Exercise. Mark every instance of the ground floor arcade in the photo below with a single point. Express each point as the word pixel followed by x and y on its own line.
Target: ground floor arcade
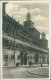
pixel 21 57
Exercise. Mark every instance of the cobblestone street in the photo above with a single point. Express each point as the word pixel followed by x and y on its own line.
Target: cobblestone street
pixel 26 72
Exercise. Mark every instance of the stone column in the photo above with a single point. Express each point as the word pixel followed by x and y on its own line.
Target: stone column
pixel 45 59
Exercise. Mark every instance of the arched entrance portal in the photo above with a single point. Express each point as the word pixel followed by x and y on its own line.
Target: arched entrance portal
pixel 23 58
pixel 36 58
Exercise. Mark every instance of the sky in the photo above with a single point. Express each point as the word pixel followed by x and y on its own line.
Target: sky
pixel 39 12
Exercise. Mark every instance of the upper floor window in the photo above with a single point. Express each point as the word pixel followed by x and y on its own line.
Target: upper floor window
pixel 13 32
pixel 9 43
pixel 10 30
pixel 4 27
pixel 16 45
pixel 7 29
pixel 16 33
pixel 13 44
pixel 3 42
pixel 6 43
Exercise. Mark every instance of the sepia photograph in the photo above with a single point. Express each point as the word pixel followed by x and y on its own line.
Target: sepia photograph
pixel 25 39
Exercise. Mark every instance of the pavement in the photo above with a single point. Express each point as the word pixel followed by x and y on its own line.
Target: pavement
pixel 41 71
pixel 26 72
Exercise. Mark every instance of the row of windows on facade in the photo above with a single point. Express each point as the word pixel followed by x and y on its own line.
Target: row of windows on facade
pixel 9 30
pixel 36 34
pixel 16 33
pixel 20 36
pixel 11 44
pixel 18 57
pixel 12 57
pixel 8 43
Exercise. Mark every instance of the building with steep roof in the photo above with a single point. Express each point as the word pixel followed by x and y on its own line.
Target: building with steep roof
pixel 22 44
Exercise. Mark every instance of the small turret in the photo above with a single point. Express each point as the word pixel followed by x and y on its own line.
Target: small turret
pixel 28 16
pixel 43 35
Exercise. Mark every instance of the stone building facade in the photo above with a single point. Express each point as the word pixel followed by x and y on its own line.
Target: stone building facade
pixel 21 43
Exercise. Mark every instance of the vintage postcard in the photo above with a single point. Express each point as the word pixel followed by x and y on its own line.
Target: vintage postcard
pixel 25 39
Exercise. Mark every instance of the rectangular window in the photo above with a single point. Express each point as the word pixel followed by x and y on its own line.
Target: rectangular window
pixel 10 31
pixel 6 43
pixel 4 27
pixel 13 44
pixel 28 57
pixel 7 29
pixel 12 57
pixel 16 33
pixel 9 43
pixel 13 32
pixel 16 45
pixel 31 57
pixel 18 57
pixel 5 57
pixel 3 42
